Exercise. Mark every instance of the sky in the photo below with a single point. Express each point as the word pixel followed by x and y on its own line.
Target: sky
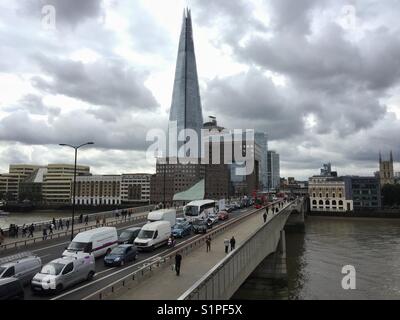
pixel 321 77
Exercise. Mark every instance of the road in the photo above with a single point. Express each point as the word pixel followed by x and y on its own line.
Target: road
pixel 104 275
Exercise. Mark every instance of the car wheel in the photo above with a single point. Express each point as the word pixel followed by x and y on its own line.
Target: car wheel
pixel 59 288
pixel 90 276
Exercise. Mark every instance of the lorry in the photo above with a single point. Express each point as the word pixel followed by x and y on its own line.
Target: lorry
pixel 163 215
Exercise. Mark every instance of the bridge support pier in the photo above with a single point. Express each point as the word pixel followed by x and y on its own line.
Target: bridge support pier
pixel 269 279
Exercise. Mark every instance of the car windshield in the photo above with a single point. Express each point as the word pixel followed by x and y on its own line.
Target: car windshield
pixel 52 268
pixel 77 246
pixel 125 234
pixel 118 251
pixel 146 234
pixel 191 211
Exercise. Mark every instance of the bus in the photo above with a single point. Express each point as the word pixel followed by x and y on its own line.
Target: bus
pixel 199 209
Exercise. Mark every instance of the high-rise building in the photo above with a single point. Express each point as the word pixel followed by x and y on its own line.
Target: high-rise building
pixel 386 171
pixel 262 140
pixel 273 170
pixel 186 108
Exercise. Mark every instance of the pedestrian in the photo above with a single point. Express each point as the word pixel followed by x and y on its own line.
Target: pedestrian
pixel 178 260
pixel 16 230
pixel 86 220
pixel 226 243
pixel 24 230
pixel 97 222
pixel 80 218
pixel 104 220
pixel 51 228
pixel 54 221
pixel 208 243
pixel 277 210
pixel 233 242
pixel 67 224
pixel 1 236
pixel 60 224
pixel 44 233
pixel 31 229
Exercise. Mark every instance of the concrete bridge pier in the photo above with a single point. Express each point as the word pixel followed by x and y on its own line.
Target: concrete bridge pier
pixel 269 279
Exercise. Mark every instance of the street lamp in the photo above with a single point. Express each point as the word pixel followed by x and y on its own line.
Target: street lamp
pixel 73 197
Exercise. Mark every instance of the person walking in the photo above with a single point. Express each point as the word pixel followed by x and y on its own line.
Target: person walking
pixel 233 242
pixel 54 221
pixel 208 243
pixel 24 230
pixel 97 222
pixel 86 220
pixel 60 224
pixel 31 229
pixel 44 233
pixel 67 224
pixel 104 220
pixel 51 228
pixel 80 218
pixel 226 243
pixel 178 260
pixel 16 230
pixel 265 217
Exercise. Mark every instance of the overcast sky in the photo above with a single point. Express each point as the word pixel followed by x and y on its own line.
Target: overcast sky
pixel 320 76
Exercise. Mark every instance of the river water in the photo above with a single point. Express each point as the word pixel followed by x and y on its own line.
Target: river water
pixel 315 259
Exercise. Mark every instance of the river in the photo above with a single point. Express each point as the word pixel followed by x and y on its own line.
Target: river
pixel 315 259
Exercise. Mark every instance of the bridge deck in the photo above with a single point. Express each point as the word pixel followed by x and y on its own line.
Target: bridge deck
pixel 165 285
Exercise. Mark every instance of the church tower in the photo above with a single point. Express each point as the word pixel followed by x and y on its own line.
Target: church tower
pixel 386 171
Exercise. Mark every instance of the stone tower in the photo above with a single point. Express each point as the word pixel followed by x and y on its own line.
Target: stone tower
pixel 386 172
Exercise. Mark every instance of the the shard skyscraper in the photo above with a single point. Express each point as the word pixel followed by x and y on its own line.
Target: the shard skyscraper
pixel 185 110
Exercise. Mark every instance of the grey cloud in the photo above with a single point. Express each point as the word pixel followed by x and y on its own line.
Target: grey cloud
pixel 33 104
pixel 105 83
pixel 68 13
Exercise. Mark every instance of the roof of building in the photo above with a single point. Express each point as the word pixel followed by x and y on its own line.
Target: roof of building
pixel 196 192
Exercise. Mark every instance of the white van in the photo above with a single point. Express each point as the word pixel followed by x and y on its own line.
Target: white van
pixel 64 272
pixel 153 234
pixel 98 242
pixel 22 268
pixel 162 215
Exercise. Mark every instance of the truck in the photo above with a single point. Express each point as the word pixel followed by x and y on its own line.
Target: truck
pixel 153 235
pixel 163 215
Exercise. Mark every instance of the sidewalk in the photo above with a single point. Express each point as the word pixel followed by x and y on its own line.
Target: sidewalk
pixel 165 285
pixel 39 233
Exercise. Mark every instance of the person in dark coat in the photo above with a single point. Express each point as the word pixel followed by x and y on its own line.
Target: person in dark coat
pixel 178 260
pixel 86 220
pixel 233 242
pixel 265 217
pixel 67 224
pixel 44 233
pixel 31 229
pixel 80 218
pixel 208 243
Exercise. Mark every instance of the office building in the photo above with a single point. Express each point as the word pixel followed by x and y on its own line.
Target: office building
pixel 364 191
pixel 273 170
pixel 98 190
pixel 135 188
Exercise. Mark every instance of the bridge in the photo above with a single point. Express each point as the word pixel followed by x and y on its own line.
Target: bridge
pixel 212 275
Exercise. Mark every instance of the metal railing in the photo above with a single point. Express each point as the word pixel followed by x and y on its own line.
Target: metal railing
pixel 227 276
pixel 161 262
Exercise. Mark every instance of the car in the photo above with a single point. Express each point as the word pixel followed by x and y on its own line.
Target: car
pixel 223 215
pixel 153 235
pixel 64 272
pixel 212 219
pixel 11 289
pixel 120 255
pixel 236 205
pixel 181 221
pixel 199 226
pixel 228 208
pixel 181 230
pixel 128 236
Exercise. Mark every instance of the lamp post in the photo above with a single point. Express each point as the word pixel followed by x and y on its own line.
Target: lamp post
pixel 74 188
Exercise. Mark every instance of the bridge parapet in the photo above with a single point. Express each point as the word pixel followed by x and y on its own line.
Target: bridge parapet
pixel 222 281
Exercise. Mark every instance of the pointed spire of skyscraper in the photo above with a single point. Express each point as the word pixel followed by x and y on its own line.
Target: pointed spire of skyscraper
pixel 186 104
pixel 391 156
pixel 380 157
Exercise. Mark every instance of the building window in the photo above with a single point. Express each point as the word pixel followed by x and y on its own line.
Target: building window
pixel 321 203
pixel 314 202
pixel 340 203
pixel 327 202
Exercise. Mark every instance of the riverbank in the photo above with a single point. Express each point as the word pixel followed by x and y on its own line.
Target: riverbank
pixel 372 214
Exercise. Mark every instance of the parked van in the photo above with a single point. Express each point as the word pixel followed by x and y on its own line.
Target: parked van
pixel 21 266
pixel 64 272
pixel 162 215
pixel 153 234
pixel 11 289
pixel 99 241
